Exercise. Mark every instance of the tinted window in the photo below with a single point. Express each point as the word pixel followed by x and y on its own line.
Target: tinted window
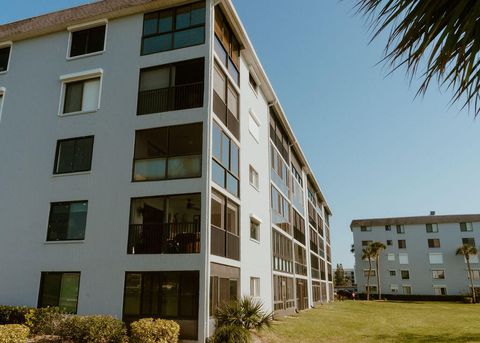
pixel 59 290
pixel 67 221
pixel 74 155
pixel 88 41
pixel 4 57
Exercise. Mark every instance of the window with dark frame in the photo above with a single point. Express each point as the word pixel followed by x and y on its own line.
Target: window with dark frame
pixel 434 243
pixel 388 228
pixel 67 221
pixel 81 96
pixel 465 227
pixel 393 273
pixel 166 153
pixel 400 229
pixel 225 161
pixel 438 274
pixel 298 224
pixel 226 101
pixel 281 141
pixel 171 87
pixel 4 58
pixel 405 274
pixel 174 28
pixel 226 45
pixel 402 244
pixel 73 155
pixel 389 242
pixel 88 41
pixel 469 241
pixel 59 289
pixel 282 252
pixel 431 228
pixel 254 229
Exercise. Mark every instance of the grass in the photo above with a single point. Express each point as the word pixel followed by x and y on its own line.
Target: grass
pixel 379 321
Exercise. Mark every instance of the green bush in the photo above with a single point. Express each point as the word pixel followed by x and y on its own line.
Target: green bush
pixel 44 321
pixel 231 334
pixel 13 333
pixel 246 312
pixel 13 314
pixel 150 330
pixel 92 329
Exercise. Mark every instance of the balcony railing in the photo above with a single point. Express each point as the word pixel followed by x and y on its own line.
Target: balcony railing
pixel 298 235
pixel 300 269
pixel 171 98
pixel 164 238
pixel 315 273
pixel 314 247
pixel 225 244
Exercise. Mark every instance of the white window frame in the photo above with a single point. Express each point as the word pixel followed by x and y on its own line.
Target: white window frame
pixel 258 221
pixel 250 169
pixel 252 72
pixel 431 254
pixel 256 120
pixel 411 290
pixel 85 26
pixel 473 274
pixel 439 287
pixel 372 274
pixel 400 255
pixel 255 287
pixel 390 257
pixel 473 259
pixel 437 278
pixel 2 94
pixel 6 45
pixel 80 76
pixel 394 288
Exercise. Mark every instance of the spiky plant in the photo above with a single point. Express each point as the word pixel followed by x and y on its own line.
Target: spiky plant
pixel 246 312
pixel 466 251
pixel 440 37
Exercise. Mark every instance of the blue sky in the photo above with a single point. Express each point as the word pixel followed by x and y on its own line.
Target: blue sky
pixel 375 150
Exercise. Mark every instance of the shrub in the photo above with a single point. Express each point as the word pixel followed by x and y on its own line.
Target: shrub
pixel 246 312
pixel 13 333
pixel 45 320
pixel 13 314
pixel 150 330
pixel 92 329
pixel 231 334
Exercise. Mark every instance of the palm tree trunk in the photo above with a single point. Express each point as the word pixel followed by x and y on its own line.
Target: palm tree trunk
pixel 368 277
pixel 471 279
pixel 378 277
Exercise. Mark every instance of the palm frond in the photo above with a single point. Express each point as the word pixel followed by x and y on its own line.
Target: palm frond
pixel 440 36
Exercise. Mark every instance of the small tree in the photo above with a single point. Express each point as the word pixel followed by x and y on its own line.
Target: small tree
pixel 377 248
pixel 339 278
pixel 367 253
pixel 466 251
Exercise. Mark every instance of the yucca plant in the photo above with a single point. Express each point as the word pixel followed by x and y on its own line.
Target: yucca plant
pixel 439 36
pixel 246 312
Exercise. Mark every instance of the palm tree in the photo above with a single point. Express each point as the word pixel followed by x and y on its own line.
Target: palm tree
pixel 368 253
pixel 466 251
pixel 439 36
pixel 377 248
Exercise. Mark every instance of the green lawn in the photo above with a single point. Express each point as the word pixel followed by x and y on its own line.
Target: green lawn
pixel 389 321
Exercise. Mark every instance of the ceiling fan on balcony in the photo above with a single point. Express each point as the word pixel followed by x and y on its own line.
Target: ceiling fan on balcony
pixel 191 205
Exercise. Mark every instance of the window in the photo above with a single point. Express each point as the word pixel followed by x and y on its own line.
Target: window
pixel 225 233
pixel 475 274
pixel 253 176
pixel 373 272
pixel 226 161
pixel 435 258
pixel 438 274
pixel 173 28
pixel 365 228
pixel 373 289
pixel 407 290
pixel 391 257
pixel 166 153
pixel 227 47
pixel 226 101
pixel 400 229
pixel 388 228
pixel 393 273
pixel 254 229
pixel 280 140
pixel 280 172
pixel 405 274
pixel 2 93
pixel 171 87
pixel 67 221
pixel 254 126
pixel 394 288
pixel 280 210
pixel 300 260
pixel 81 96
pixel 255 287
pixel 434 243
pixel 4 58
pixel 170 295
pixel 473 259
pixel 468 240
pixel 298 224
pixel 389 242
pixel 431 228
pixel 282 252
pixel 466 227
pixel 87 41
pixel 402 244
pixel 283 293
pixel 403 258
pixel 73 155
pixel 253 82
pixel 59 290
pixel 366 243
pixel 168 224
pixel 439 290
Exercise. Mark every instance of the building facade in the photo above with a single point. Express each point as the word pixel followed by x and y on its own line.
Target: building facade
pixel 420 257
pixel 156 171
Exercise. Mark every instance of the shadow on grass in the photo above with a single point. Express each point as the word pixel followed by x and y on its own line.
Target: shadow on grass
pixel 424 338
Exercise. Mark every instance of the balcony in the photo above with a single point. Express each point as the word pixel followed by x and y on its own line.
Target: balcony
pixel 164 238
pixel 315 273
pixel 313 247
pixel 171 98
pixel 225 244
pixel 300 269
pixel 298 235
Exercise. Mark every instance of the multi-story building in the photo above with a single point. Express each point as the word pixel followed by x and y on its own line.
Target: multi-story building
pixel 149 169
pixel 349 274
pixel 420 257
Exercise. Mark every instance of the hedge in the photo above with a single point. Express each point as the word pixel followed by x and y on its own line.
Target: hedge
pixel 149 330
pixel 44 321
pixel 13 333
pixel 13 314
pixel 92 329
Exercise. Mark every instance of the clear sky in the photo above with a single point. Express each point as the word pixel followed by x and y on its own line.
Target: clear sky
pixel 376 151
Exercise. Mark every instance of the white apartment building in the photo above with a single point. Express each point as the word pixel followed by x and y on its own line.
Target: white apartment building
pixel 149 169
pixel 420 258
